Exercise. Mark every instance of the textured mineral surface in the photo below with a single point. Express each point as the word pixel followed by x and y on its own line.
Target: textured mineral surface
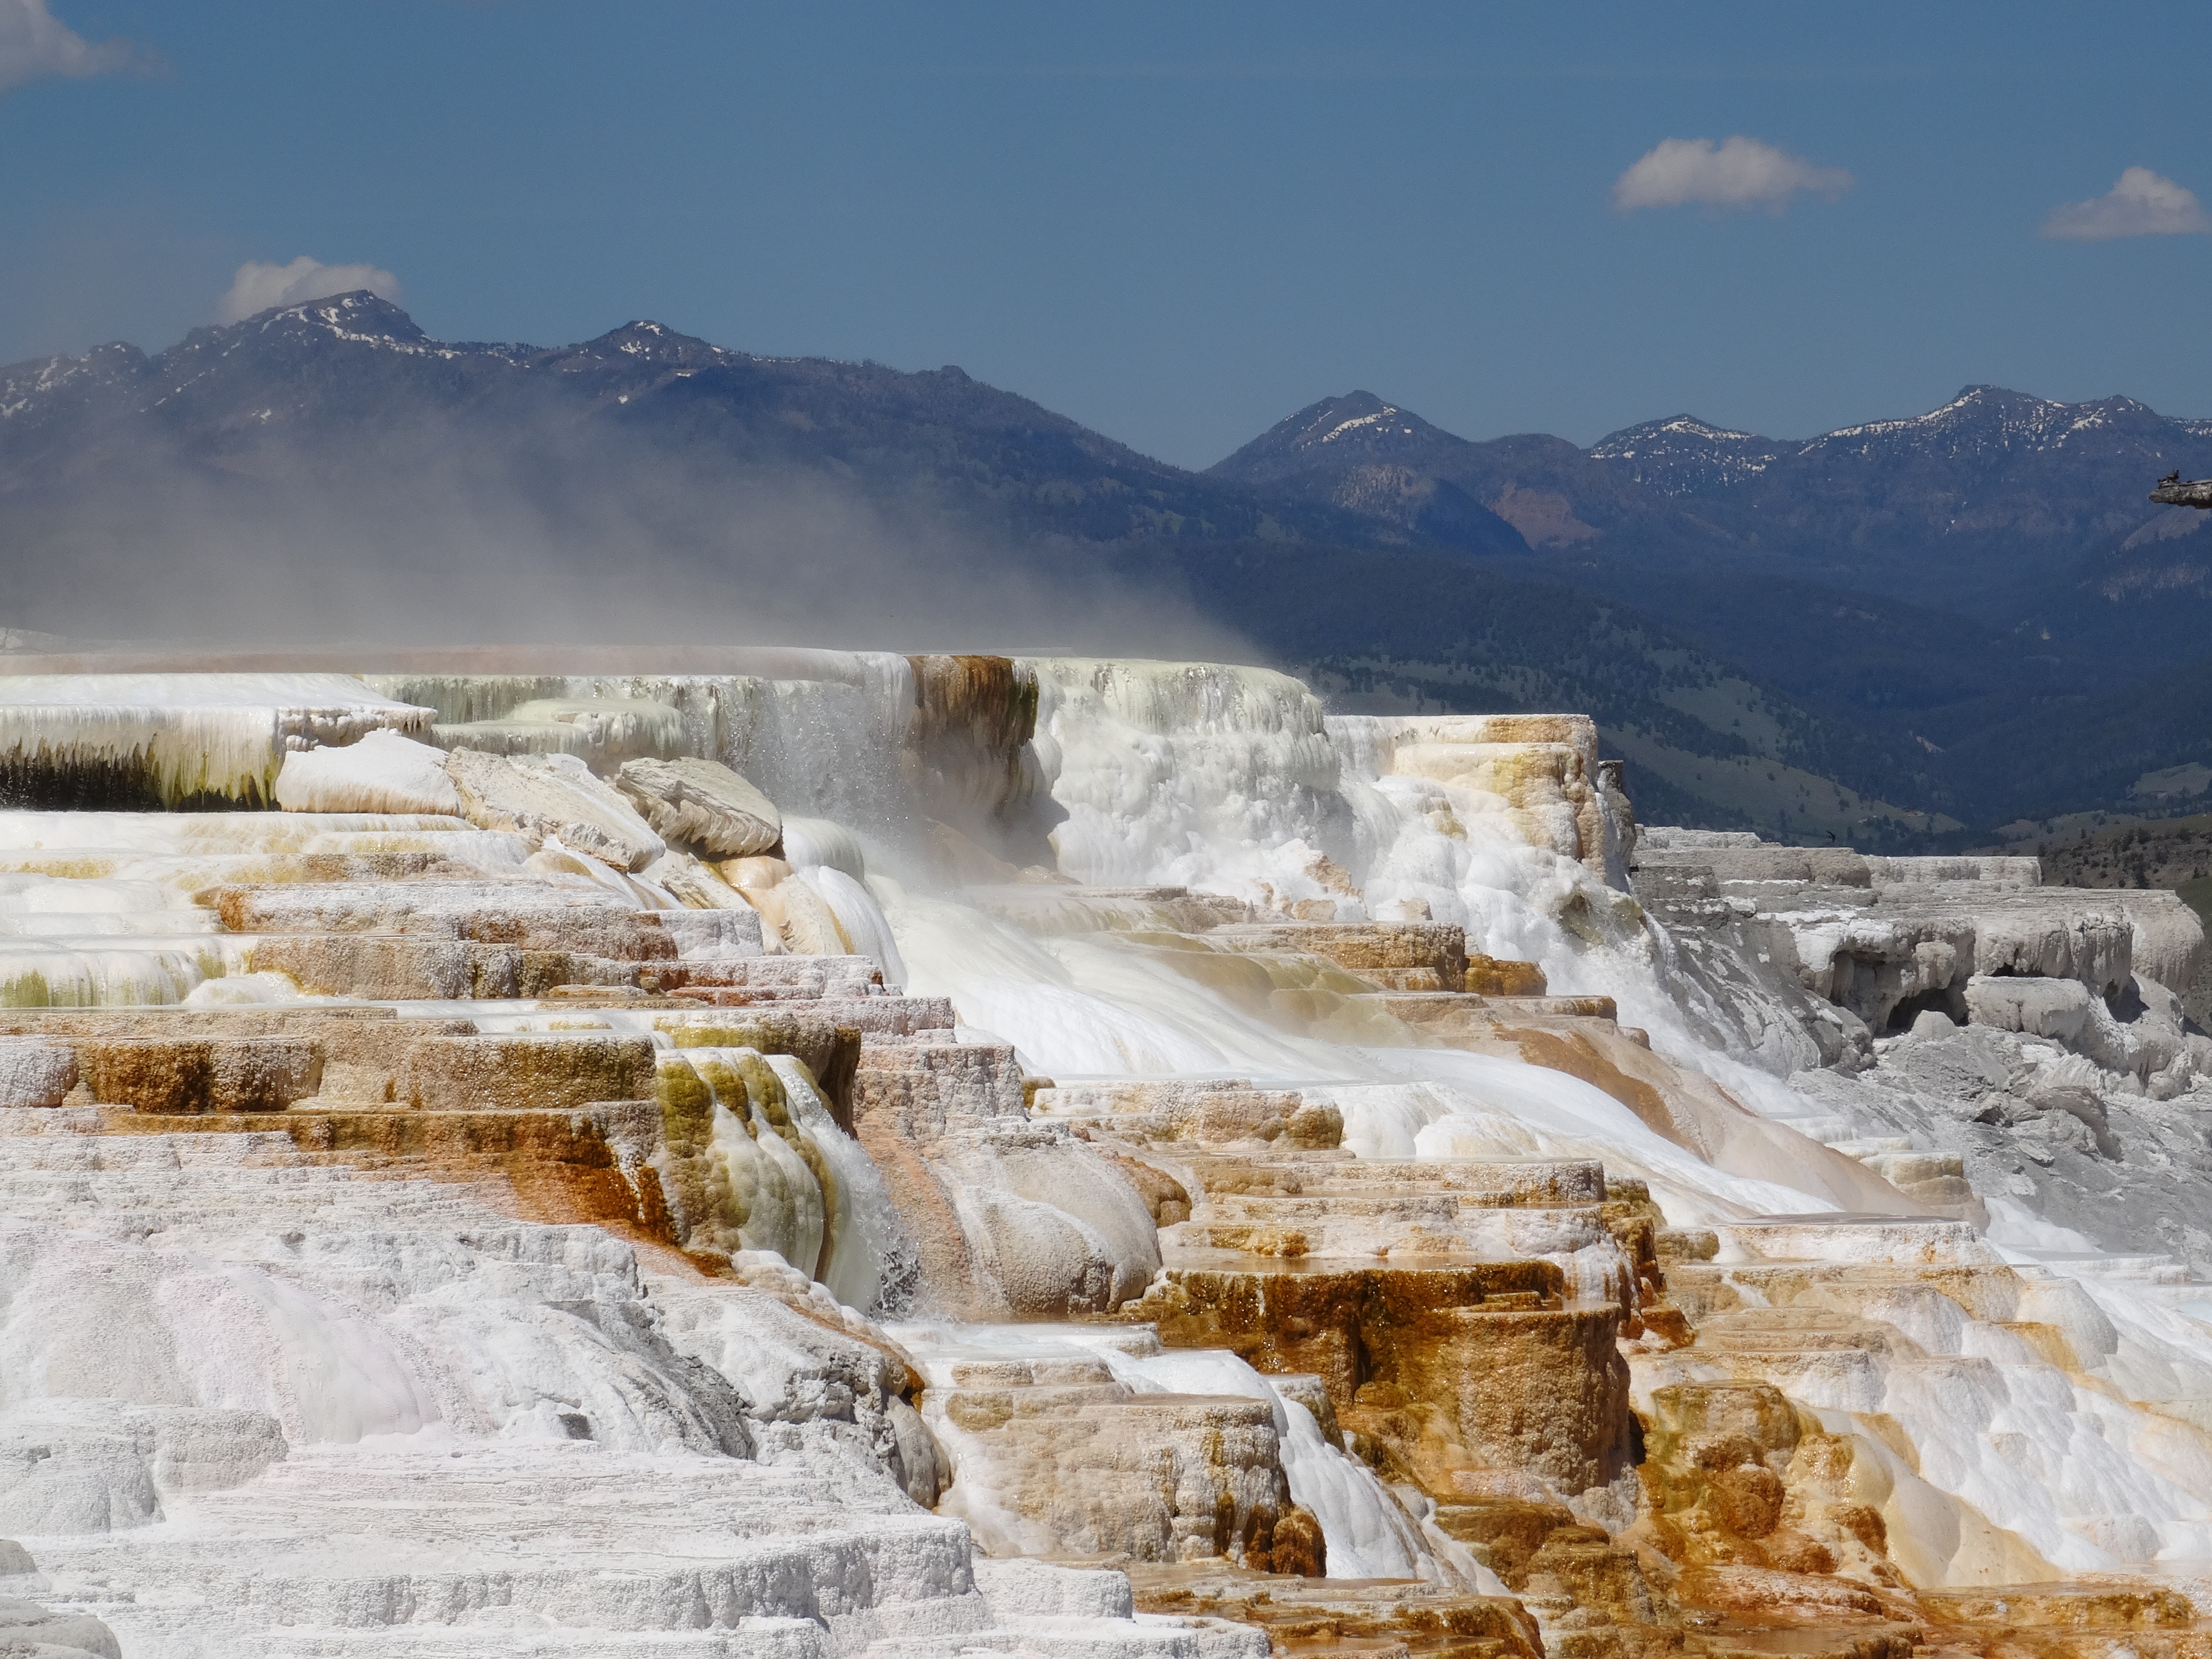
pixel 1073 1157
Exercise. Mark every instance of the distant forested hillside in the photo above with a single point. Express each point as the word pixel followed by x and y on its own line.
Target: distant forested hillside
pixel 1907 633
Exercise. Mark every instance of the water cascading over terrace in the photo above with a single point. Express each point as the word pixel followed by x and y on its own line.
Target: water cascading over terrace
pixel 912 1155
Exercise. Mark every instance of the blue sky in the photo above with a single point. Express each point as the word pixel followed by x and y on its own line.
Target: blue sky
pixel 1175 223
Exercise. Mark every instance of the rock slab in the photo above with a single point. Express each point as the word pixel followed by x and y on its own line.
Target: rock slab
pixel 553 795
pixel 382 773
pixel 703 803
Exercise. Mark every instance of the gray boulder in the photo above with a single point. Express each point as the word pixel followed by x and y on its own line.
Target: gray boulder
pixel 703 803
pixel 1933 1023
pixel 2053 1008
pixel 35 1633
pixel 28 1629
pixel 553 795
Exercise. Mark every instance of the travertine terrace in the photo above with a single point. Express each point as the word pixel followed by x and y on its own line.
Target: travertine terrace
pixel 794 1153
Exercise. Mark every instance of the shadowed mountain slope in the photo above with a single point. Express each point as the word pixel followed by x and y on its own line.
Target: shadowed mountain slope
pixel 1845 634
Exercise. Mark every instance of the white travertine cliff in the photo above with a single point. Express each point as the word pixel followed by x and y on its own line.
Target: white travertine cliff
pixel 954 1155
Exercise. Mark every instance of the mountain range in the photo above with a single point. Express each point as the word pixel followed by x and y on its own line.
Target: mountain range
pixel 1913 631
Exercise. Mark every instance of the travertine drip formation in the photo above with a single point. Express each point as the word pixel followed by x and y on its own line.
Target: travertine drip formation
pixel 867 1155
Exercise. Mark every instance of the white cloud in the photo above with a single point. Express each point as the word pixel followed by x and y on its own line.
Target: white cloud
pixel 1741 173
pixel 35 44
pixel 259 286
pixel 2141 205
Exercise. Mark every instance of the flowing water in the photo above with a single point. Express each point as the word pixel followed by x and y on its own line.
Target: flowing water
pixel 1146 777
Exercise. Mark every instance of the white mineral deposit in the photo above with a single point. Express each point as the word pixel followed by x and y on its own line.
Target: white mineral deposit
pixel 680 1163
